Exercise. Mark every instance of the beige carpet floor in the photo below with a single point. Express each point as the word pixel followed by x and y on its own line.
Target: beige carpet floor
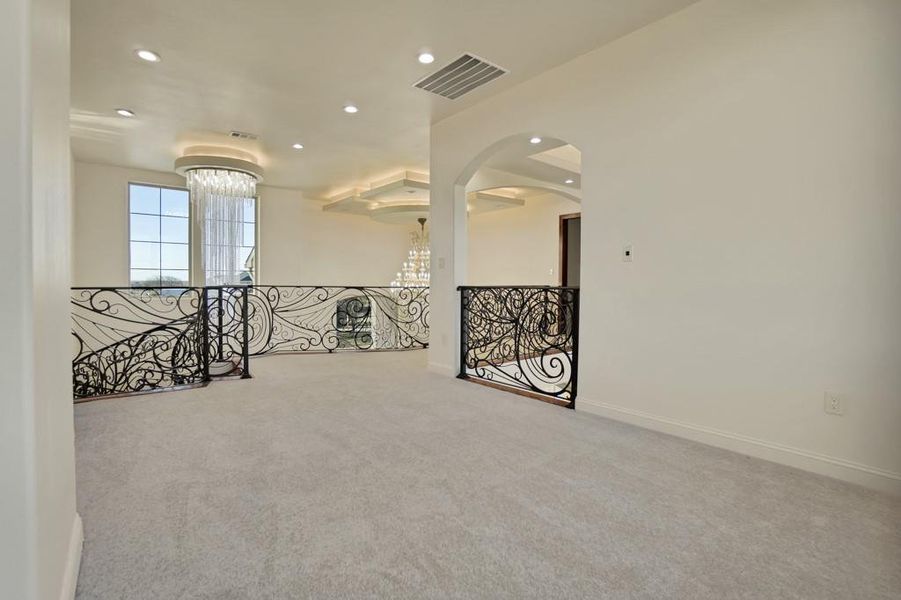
pixel 365 476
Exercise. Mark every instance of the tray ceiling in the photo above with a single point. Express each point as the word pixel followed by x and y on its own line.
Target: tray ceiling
pixel 283 70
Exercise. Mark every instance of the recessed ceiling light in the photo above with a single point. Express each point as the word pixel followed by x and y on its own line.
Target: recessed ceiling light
pixel 535 140
pixel 297 146
pixel 148 55
pixel 569 181
pixel 124 112
pixel 350 109
pixel 426 58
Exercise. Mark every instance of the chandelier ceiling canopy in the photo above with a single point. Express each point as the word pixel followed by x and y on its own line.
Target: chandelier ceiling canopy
pixel 219 158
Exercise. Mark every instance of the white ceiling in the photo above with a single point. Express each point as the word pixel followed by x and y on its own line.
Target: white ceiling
pixel 552 160
pixel 283 69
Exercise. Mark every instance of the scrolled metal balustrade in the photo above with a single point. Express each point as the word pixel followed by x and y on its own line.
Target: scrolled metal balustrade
pixel 129 340
pixel 328 319
pixel 520 337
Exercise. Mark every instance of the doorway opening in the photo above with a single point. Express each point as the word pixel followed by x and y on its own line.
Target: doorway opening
pixel 570 249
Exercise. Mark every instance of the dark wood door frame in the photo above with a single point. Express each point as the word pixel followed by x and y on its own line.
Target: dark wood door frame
pixel 564 243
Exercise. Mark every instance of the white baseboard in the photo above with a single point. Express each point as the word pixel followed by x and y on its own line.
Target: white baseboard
pixel 838 468
pixel 442 369
pixel 73 561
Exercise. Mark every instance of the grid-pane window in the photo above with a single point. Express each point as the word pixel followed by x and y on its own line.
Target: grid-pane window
pixel 159 230
pixel 247 250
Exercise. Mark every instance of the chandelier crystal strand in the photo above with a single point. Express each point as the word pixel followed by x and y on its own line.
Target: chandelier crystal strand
pixel 219 197
pixel 415 271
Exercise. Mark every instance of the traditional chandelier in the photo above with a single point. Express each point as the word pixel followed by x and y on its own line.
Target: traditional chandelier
pixel 415 271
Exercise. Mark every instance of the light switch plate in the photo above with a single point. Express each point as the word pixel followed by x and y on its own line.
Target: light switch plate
pixel 628 253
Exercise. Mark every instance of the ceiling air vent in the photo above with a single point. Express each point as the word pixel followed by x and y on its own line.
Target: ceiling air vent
pixel 460 77
pixel 242 135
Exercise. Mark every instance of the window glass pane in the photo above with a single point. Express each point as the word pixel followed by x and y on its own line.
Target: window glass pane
pixel 174 202
pixel 144 199
pixel 145 277
pixel 145 228
pixel 174 277
pixel 248 234
pixel 174 229
pixel 145 255
pixel 250 211
pixel 243 255
pixel 174 256
pixel 159 215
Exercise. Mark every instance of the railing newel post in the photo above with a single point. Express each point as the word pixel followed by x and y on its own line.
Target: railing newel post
pixel 246 326
pixel 575 356
pixel 205 323
pixel 464 337
pixel 220 325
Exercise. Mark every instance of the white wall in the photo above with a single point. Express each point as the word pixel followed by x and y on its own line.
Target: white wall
pixel 750 152
pixel 518 246
pixel 302 244
pixel 40 532
pixel 100 234
pixel 299 243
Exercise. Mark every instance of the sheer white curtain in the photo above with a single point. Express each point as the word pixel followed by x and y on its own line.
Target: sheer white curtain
pixel 219 198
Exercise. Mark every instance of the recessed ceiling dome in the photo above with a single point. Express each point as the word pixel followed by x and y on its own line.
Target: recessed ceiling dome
pixel 218 157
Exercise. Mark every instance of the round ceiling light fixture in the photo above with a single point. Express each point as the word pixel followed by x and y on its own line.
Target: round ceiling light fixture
pixel 535 140
pixel 351 109
pixel 426 58
pixel 297 146
pixel 124 112
pixel 148 55
pixel 569 181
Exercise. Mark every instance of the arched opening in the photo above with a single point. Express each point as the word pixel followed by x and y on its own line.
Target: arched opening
pixel 519 204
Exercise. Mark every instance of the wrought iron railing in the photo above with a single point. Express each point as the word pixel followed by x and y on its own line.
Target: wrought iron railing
pixel 286 319
pixel 524 338
pixel 131 340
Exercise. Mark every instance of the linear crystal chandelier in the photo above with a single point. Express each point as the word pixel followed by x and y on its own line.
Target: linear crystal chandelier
pixel 415 270
pixel 221 197
pixel 222 187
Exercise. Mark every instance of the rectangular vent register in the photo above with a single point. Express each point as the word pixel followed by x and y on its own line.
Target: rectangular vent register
pixel 460 77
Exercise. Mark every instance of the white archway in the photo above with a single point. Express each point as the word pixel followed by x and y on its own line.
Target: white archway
pixel 479 174
pixel 456 156
pixel 476 177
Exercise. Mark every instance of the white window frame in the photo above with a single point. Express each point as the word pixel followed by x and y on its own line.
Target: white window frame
pixel 128 239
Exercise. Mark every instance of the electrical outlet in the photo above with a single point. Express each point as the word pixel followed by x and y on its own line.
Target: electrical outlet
pixel 627 253
pixel 833 404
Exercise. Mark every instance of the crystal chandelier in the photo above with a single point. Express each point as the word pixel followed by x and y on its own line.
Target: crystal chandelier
pixel 222 182
pixel 415 271
pixel 220 197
